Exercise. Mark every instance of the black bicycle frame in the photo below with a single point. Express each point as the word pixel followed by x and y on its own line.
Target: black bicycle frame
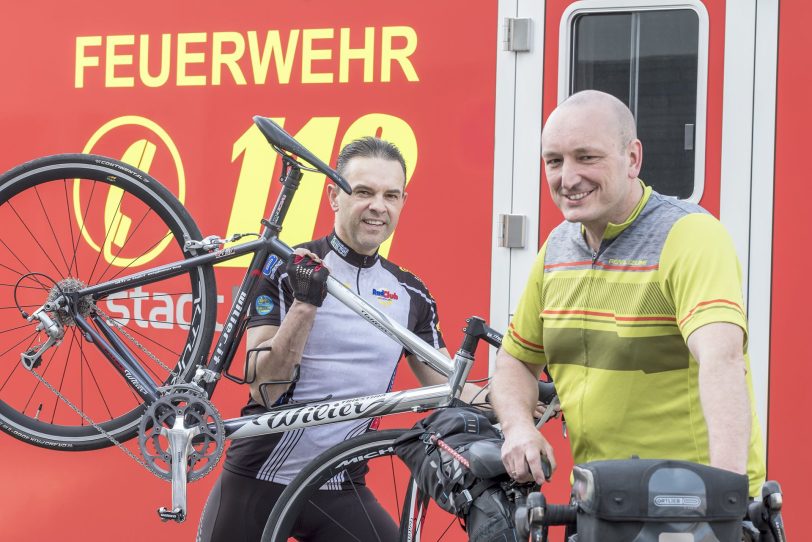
pixel 120 355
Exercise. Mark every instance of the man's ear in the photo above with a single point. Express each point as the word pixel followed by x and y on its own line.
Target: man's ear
pixel 634 152
pixel 332 196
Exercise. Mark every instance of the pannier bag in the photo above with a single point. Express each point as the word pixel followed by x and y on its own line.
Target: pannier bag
pixel 654 500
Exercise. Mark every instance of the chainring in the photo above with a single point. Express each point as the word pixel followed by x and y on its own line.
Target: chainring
pixel 198 414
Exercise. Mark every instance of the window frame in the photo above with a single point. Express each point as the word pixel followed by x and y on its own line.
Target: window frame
pixel 583 7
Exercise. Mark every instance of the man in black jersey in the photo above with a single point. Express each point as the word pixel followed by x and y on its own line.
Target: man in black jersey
pixel 339 354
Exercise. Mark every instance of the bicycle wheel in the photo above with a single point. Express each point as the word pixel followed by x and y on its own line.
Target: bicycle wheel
pixel 80 220
pixel 387 477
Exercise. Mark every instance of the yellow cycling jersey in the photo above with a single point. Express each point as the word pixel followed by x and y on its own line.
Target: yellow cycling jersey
pixel 612 328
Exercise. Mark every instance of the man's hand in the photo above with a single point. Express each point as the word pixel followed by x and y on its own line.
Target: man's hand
pixel 308 277
pixel 522 454
pixel 514 395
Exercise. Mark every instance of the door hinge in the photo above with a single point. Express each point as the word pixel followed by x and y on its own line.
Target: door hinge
pixel 512 231
pixel 517 35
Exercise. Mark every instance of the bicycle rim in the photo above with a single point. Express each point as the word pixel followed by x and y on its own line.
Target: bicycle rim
pixel 387 477
pixel 82 220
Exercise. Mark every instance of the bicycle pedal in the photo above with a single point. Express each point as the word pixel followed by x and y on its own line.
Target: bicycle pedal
pixel 177 515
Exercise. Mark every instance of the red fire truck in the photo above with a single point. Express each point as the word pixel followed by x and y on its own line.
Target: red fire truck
pixel 718 90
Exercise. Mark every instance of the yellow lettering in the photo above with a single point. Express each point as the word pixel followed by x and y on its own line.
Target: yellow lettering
pixel 113 60
pixel 309 54
pixel 185 58
pixel 143 61
pixel 401 56
pixel 229 60
pixel 366 53
pixel 83 60
pixel 273 47
pixel 254 185
pixel 392 129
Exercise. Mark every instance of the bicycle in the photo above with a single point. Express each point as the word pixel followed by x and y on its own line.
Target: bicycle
pixel 71 344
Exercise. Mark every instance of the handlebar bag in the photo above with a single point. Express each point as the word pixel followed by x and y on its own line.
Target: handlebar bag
pixel 654 500
pixel 438 473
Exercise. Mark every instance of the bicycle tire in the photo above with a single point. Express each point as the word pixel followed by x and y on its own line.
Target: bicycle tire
pixel 58 222
pixel 372 447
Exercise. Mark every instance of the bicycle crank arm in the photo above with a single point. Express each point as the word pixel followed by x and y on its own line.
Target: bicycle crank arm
pixel 180 443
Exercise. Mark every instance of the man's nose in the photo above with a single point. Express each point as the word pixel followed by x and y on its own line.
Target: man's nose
pixel 570 175
pixel 376 204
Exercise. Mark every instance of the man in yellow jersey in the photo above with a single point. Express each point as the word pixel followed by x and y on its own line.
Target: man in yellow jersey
pixel 635 306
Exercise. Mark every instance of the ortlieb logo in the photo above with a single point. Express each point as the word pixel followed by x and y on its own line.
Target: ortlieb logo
pixel 677 500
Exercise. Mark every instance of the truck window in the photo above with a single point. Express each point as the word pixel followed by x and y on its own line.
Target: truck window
pixel 650 60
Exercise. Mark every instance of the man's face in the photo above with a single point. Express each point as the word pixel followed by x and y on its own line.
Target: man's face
pixel 368 216
pixel 591 178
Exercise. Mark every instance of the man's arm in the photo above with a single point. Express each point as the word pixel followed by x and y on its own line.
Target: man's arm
pixel 308 278
pixel 717 347
pixel 429 377
pixel 514 394
pixel 287 344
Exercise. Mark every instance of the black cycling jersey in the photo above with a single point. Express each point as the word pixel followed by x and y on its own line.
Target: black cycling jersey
pixel 344 356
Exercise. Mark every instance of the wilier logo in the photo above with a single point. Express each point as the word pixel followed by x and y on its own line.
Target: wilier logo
pixel 384 297
pixel 111 222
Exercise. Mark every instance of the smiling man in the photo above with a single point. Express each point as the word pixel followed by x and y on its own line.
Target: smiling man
pixel 635 306
pixel 339 354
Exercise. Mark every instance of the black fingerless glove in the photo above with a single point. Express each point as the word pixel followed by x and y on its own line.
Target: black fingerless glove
pixel 308 279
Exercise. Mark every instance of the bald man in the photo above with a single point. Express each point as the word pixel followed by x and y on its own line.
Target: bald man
pixel 635 306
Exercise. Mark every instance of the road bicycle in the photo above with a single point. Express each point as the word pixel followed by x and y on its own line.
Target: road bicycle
pixel 108 318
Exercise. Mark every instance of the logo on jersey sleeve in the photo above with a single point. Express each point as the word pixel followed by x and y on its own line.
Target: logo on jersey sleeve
pixel 384 297
pixel 271 265
pixel 264 305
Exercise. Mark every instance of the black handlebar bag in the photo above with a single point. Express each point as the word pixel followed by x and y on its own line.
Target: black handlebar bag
pixel 654 500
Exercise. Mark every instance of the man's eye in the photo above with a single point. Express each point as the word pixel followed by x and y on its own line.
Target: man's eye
pixel 552 162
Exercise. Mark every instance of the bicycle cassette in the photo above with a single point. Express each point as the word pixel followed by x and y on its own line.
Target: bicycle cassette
pixel 182 424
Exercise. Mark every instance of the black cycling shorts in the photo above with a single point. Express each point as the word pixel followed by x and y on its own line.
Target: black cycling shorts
pixel 238 508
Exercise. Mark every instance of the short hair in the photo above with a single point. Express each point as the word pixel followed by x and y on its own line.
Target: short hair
pixel 369 147
pixel 627 126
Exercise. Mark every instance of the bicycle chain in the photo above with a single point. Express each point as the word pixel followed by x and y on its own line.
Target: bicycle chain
pixel 96 426
pixel 143 348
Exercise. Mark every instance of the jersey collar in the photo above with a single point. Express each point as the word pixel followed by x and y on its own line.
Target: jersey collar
pixel 349 255
pixel 613 230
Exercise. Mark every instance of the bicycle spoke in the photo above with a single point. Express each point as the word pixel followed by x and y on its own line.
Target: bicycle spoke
pixel 139 257
pixel 61 383
pixel 36 241
pixel 366 513
pixel 14 253
pixel 70 227
pixel 51 226
pixel 93 377
pixel 33 336
pixel 334 520
pixel 121 248
pixel 395 484
pixel 82 229
pixel 15 328
pixel 106 236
